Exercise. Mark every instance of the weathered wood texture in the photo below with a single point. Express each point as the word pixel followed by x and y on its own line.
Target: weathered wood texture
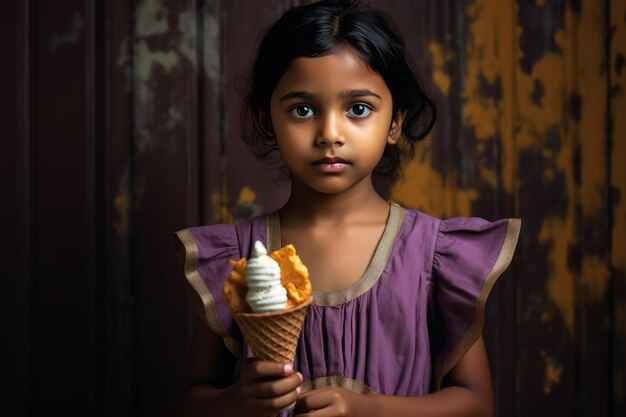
pixel 120 125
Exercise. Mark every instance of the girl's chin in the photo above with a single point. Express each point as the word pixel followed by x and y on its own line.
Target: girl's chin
pixel 331 185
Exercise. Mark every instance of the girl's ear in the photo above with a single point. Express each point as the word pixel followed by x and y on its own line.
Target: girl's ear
pixel 395 131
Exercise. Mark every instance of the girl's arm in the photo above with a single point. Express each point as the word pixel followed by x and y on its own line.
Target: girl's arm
pixel 468 392
pixel 263 388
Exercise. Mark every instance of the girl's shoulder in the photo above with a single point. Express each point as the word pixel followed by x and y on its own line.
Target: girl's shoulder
pixel 461 234
pixel 468 255
pixel 208 238
pixel 465 241
pixel 223 237
pixel 204 253
pixel 456 248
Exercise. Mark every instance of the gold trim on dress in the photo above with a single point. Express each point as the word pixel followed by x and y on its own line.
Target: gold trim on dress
pixel 201 296
pixel 374 268
pixel 337 381
pixel 272 232
pixel 502 262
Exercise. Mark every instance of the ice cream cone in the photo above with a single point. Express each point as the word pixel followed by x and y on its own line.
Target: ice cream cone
pixel 273 336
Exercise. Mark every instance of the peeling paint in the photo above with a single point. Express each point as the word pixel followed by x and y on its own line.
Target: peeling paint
pixel 219 208
pixel 618 110
pixel 212 54
pixel 187 27
pixel 488 85
pixel 151 18
pixel 555 236
pixel 426 189
pixel 121 209
pixel 539 123
pixel 509 54
pixel 618 184
pixel 486 109
pixel 535 121
pixel 592 129
pixel 439 61
pixel 533 307
pixel 246 195
pixel 146 59
pixel 553 372
pixel 121 205
pixel 547 316
pixel 246 207
pixel 175 117
pixel 538 93
pixel 72 36
pixel 594 278
pixel 533 42
pixel 551 105
pixel 211 42
pixel 482 67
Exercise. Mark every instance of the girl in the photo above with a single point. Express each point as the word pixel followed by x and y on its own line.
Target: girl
pixel 395 326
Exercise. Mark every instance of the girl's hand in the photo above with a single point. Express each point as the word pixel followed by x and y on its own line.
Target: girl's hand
pixel 329 402
pixel 265 388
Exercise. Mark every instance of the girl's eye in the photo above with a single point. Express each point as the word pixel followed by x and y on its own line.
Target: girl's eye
pixel 302 111
pixel 359 110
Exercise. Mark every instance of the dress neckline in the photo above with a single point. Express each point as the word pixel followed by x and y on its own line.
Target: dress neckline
pixel 374 269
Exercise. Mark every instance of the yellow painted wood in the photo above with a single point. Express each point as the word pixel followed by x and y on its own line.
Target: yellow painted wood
pixel 440 191
pixel 618 183
pixel 565 132
pixel 618 119
pixel 590 80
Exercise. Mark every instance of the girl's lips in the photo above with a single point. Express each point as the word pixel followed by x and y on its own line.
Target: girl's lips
pixel 332 165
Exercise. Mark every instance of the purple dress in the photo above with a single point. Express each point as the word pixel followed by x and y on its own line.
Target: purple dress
pixel 400 328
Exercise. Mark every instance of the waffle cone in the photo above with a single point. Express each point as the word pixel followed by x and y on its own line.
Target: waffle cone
pixel 273 336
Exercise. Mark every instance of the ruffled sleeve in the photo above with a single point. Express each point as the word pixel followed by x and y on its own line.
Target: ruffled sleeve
pixel 470 254
pixel 203 254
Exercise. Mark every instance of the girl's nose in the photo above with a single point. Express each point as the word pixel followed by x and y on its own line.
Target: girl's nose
pixel 330 132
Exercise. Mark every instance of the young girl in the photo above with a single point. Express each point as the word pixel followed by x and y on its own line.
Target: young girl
pixel 395 325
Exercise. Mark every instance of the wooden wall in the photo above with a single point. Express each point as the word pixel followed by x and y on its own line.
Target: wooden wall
pixel 120 125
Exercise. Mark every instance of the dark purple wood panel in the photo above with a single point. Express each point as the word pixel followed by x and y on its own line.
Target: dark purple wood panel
pixel 165 179
pixel 478 157
pixel 118 356
pixel 243 23
pixel 62 293
pixel 617 203
pixel 547 362
pixel 592 132
pixel 14 210
pixel 211 113
pixel 618 326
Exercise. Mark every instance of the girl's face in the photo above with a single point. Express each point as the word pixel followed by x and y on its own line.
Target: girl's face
pixel 332 117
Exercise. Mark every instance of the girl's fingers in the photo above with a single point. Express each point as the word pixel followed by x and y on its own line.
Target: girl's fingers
pixel 276 387
pixel 315 400
pixel 280 402
pixel 265 369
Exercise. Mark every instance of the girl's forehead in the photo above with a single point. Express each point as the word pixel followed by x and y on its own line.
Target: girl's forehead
pixel 339 71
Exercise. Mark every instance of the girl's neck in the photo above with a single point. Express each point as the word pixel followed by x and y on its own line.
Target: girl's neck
pixel 307 207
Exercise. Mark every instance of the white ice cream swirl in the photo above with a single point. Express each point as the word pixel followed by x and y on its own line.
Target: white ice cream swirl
pixel 265 292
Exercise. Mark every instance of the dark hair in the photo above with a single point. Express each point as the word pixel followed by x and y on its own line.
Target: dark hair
pixel 324 28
